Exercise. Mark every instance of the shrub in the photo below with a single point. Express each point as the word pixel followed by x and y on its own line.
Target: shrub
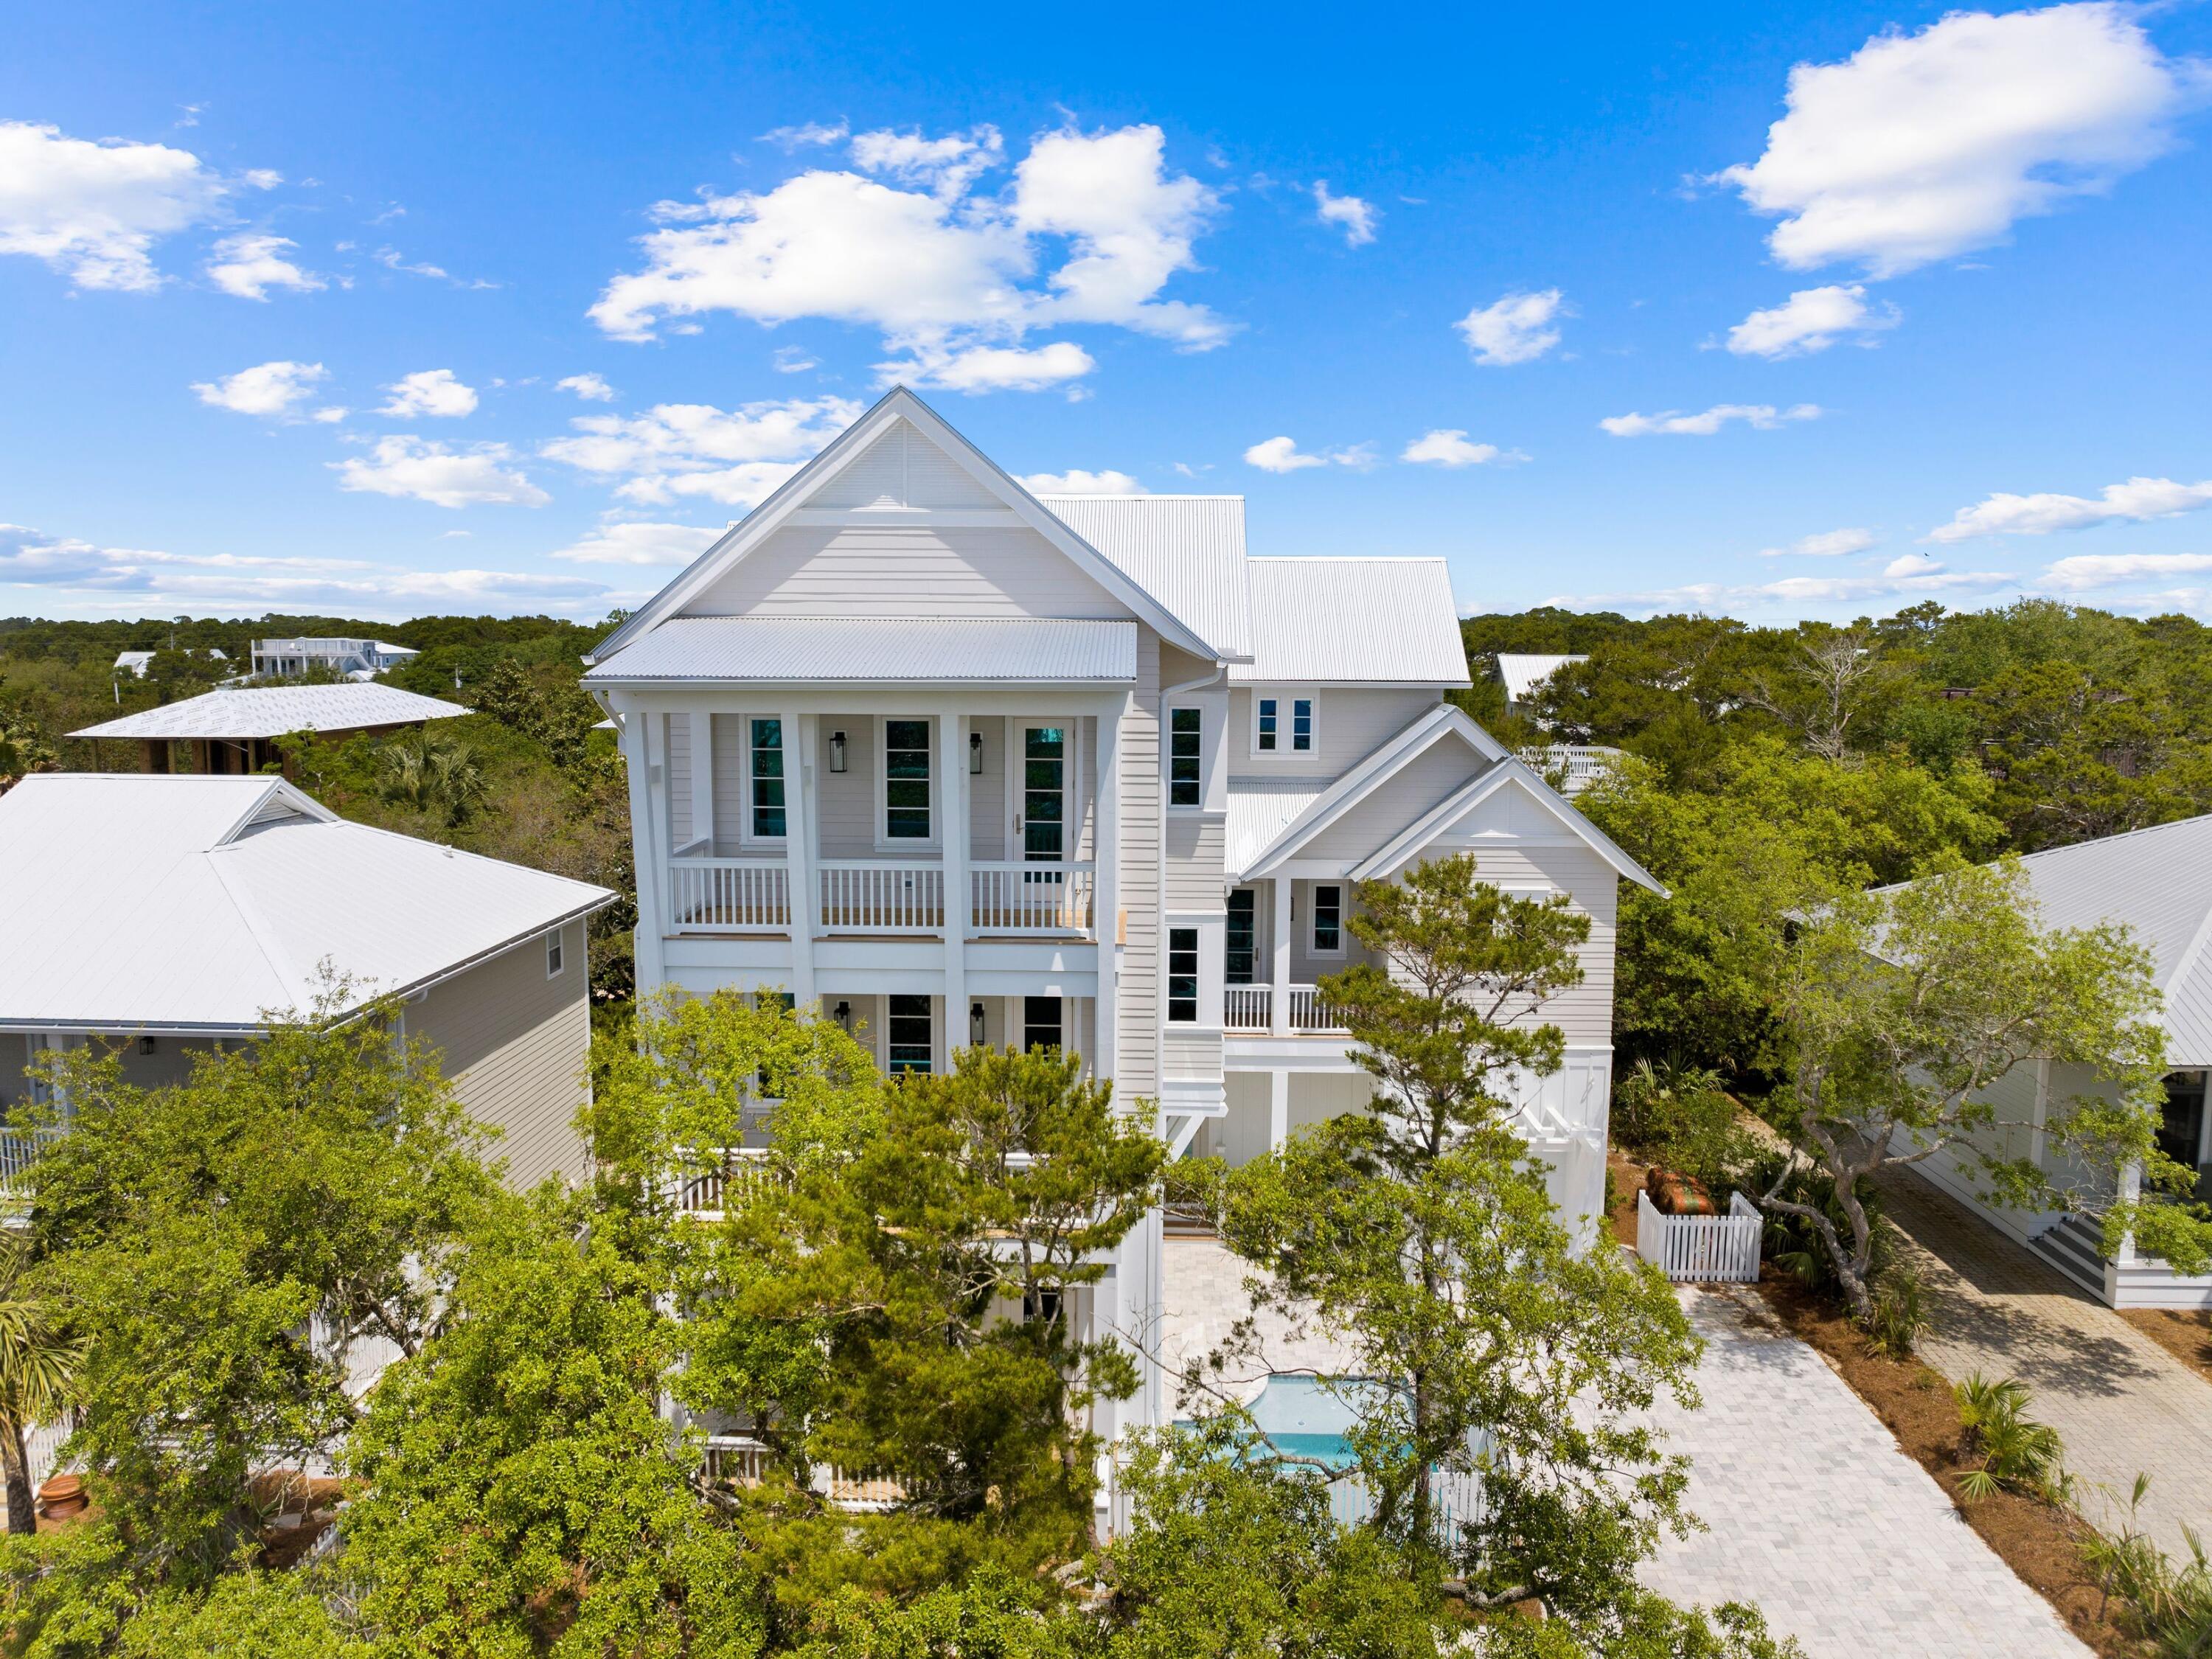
pixel 2017 1453
pixel 1791 1242
pixel 1900 1320
pixel 2170 1607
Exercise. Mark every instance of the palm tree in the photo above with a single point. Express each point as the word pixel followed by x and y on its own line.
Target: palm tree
pixel 431 773
pixel 39 1370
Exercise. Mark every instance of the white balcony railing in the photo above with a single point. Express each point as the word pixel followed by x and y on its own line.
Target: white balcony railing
pixel 1250 1009
pixel 739 895
pixel 864 896
pixel 1247 1007
pixel 1309 1012
pixel 1031 898
pixel 708 1194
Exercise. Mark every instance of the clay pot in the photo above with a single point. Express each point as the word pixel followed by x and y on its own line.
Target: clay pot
pixel 61 1496
pixel 1675 1194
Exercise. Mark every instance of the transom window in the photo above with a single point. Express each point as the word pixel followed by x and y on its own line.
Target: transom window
pixel 1041 1027
pixel 1185 757
pixel 767 778
pixel 906 780
pixel 1242 954
pixel 909 1031
pixel 1327 919
pixel 1182 976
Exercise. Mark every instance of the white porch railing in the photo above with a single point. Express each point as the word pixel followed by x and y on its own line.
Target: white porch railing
pixel 706 1195
pixel 1309 1012
pixel 862 896
pixel 1031 898
pixel 736 895
pixel 1704 1247
pixel 739 1460
pixel 1246 1007
pixel 1577 765
pixel 18 1151
pixel 1250 1009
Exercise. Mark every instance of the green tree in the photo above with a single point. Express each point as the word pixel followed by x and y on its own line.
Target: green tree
pixel 39 1363
pixel 431 772
pixel 1905 1008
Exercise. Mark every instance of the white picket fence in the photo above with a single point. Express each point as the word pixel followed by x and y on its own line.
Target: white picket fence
pixel 1703 1247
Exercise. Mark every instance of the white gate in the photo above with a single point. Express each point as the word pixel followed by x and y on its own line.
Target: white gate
pixel 1705 1247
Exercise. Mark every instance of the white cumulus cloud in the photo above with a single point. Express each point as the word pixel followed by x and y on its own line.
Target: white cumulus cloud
pixel 1076 481
pixel 1812 320
pixel 249 265
pixel 640 541
pixel 680 450
pixel 1920 147
pixel 1515 328
pixel 944 167
pixel 2134 501
pixel 421 471
pixel 1800 594
pixel 592 388
pixel 433 392
pixel 1448 447
pixel 992 368
pixel 2103 569
pixel 1355 217
pixel 1823 545
pixel 272 388
pixel 1706 422
pixel 93 211
pixel 1283 455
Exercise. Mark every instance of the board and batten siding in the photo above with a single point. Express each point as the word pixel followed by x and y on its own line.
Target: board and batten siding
pixel 1349 726
pixel 516 1044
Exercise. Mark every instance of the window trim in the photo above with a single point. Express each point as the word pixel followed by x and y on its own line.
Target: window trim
pixel 1251 896
pixel 933 841
pixel 1199 783
pixel 928 1016
pixel 745 808
pixel 1196 998
pixel 1286 702
pixel 1313 947
pixel 556 951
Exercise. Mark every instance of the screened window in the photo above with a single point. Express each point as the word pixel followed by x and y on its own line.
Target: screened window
pixel 1241 956
pixel 1186 764
pixel 1182 976
pixel 1302 724
pixel 556 954
pixel 906 780
pixel 1041 1023
pixel 768 777
pixel 1267 707
pixel 1327 920
pixel 909 1034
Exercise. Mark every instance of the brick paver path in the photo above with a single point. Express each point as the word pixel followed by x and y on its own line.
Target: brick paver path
pixel 1817 1517
pixel 2122 1404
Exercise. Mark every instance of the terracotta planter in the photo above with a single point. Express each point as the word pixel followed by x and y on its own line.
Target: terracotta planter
pixel 1675 1194
pixel 61 1496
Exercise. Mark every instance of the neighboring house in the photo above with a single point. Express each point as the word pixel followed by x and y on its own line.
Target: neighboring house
pixel 234 730
pixel 359 659
pixel 963 765
pixel 135 663
pixel 170 916
pixel 2158 883
pixel 1522 675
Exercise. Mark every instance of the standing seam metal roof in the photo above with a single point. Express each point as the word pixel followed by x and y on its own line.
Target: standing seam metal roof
pixel 1383 621
pixel 271 711
pixel 1186 551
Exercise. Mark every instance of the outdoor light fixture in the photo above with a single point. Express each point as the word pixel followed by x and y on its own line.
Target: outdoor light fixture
pixel 843 1014
pixel 974 753
pixel 975 1023
pixel 836 751
pixel 145 1045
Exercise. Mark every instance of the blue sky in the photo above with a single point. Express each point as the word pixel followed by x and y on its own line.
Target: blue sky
pixel 1775 310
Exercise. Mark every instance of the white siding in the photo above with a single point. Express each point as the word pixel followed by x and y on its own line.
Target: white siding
pixel 1136 1070
pixel 1194 877
pixel 846 801
pixel 988 818
pixel 903 468
pixel 1419 786
pixel 516 1045
pixel 905 572
pixel 676 744
pixel 1350 725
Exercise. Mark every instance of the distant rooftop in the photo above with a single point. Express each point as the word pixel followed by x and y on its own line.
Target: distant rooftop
pixel 271 711
pixel 1523 673
pixel 332 647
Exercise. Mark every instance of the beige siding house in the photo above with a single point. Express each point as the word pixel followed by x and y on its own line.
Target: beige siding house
pixel 167 916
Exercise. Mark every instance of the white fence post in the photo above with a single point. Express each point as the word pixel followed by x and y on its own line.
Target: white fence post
pixel 1705 1249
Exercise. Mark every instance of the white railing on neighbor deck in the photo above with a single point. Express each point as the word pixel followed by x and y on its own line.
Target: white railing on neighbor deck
pixel 1703 1247
pixel 1030 898
pixel 863 896
pixel 706 1194
pixel 729 895
pixel 1577 765
pixel 739 1460
pixel 1246 1007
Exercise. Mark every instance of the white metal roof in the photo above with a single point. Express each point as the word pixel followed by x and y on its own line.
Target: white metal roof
pixel 864 650
pixel 1521 672
pixel 201 903
pixel 270 711
pixel 136 661
pixel 1259 809
pixel 1187 552
pixel 2157 883
pixel 1389 622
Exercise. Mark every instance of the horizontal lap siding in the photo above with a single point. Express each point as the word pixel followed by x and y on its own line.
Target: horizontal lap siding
pixel 1349 726
pixel 1420 786
pixel 1136 1067
pixel 901 573
pixel 847 800
pixel 730 732
pixel 1194 855
pixel 676 743
pixel 516 1044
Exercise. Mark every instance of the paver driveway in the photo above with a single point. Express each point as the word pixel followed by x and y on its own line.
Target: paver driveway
pixel 2122 1404
pixel 1819 1518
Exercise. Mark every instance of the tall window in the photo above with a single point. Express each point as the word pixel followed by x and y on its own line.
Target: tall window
pixel 1186 764
pixel 1327 920
pixel 1301 723
pixel 909 1034
pixel 906 780
pixel 2181 1125
pixel 1242 953
pixel 1041 1023
pixel 1182 976
pixel 556 953
pixel 767 778
pixel 1266 725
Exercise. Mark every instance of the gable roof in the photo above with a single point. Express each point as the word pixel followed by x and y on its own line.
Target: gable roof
pixel 864 650
pixel 1510 773
pixel 1188 550
pixel 1368 620
pixel 1521 672
pixel 897 405
pixel 271 711
pixel 201 903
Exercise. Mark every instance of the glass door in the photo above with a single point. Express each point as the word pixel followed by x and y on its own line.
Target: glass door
pixel 1041 816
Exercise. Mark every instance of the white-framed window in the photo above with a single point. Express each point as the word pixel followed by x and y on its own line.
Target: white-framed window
pixel 1185 757
pixel 1041 1024
pixel 908 783
pixel 556 954
pixel 909 1035
pixel 1283 724
pixel 1182 976
pixel 1328 939
pixel 766 778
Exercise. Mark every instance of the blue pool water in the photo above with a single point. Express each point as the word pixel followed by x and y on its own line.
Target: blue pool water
pixel 1308 1416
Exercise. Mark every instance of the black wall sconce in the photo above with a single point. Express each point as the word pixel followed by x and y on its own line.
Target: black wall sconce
pixel 836 751
pixel 975 754
pixel 843 1014
pixel 975 1024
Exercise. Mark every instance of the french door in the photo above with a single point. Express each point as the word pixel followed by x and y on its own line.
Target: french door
pixel 1044 753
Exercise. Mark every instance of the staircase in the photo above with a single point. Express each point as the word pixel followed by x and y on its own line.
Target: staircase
pixel 2075 1248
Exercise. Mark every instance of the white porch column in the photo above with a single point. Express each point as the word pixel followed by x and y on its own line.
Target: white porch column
pixel 1278 1109
pixel 1107 857
pixel 798 738
pixel 702 780
pixel 648 841
pixel 952 837
pixel 1279 1000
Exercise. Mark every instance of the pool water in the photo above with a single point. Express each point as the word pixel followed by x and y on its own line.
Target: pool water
pixel 1309 1416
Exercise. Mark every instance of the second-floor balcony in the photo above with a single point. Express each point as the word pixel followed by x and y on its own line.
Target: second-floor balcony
pixel 883 896
pixel 1249 1011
